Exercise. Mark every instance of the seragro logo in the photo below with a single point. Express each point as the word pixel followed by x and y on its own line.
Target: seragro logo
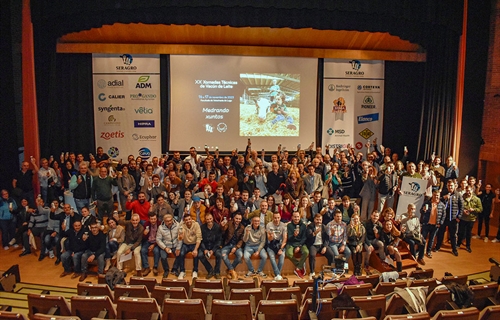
pixel 368 118
pixel 127 60
pixel 106 135
pixel 144 153
pixel 356 66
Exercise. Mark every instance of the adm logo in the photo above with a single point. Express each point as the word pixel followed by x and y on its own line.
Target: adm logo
pixel 127 60
pixel 142 83
pixel 112 135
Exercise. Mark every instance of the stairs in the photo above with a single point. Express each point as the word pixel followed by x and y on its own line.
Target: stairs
pixel 406 259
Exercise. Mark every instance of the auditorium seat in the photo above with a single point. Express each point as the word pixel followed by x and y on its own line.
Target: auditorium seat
pixel 484 294
pixel 357 289
pixel 184 309
pixel 267 284
pixel 253 294
pixel 161 293
pixel 92 289
pixel 303 284
pixel 41 316
pixel 137 308
pixel 457 279
pixel 52 305
pixel 231 309
pixel 150 283
pixel 277 310
pixel 388 287
pixel 372 278
pixel 437 301
pixel 413 316
pixel 324 309
pixel 429 282
pixel 207 295
pixel 207 284
pixel 422 273
pixel 490 313
pixel 7 315
pixel 396 305
pixel 324 292
pixel 165 282
pixel 88 307
pixel 242 284
pixel 286 293
pixel 461 314
pixel 136 291
pixel 371 306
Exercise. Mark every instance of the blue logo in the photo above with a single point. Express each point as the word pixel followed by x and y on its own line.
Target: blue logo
pixel 127 59
pixel 368 118
pixel 144 123
pixel 144 153
pixel 414 186
pixel 101 96
pixel 355 64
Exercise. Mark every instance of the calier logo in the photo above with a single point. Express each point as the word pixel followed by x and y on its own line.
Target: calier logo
pixel 143 110
pixel 112 135
pixel 101 97
pixel 368 118
pixel 142 83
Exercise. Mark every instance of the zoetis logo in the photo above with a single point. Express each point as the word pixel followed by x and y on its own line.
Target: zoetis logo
pixel 112 135
pixel 142 83
pixel 143 110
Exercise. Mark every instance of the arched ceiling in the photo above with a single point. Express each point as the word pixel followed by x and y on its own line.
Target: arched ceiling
pixel 198 39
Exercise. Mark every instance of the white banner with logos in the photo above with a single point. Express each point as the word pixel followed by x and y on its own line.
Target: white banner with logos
pixel 127 115
pixel 412 191
pixel 353 102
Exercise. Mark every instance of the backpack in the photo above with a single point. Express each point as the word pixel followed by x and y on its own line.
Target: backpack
pixel 114 277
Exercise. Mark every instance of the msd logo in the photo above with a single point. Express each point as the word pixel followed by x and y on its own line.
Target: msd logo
pixel 368 118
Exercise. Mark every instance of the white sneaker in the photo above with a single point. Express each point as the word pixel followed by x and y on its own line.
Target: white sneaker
pixel 486 239
pixel 15 246
pixel 181 275
pixel 11 242
pixel 195 274
pixel 51 254
pixel 495 240
pixel 6 248
pixel 278 277
pixel 249 274
pixel 476 237
pixel 262 274
pixel 312 275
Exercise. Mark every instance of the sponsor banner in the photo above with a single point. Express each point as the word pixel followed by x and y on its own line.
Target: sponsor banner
pixel 354 69
pixel 125 63
pixel 352 105
pixel 412 191
pixel 127 106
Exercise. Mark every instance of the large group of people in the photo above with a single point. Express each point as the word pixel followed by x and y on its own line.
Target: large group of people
pixel 240 207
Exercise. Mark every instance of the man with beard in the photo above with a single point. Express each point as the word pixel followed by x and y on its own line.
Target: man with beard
pixel 102 194
pixel 96 247
pixel 132 243
pixel 472 208
pixel 451 216
pixel 233 241
pixel 210 246
pixel 81 185
pixel 140 206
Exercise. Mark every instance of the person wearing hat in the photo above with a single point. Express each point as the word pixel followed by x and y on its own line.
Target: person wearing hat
pixel 197 211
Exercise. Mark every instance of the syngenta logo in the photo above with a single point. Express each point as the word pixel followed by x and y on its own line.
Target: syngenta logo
pixel 143 110
pixel 110 108
pixel 112 135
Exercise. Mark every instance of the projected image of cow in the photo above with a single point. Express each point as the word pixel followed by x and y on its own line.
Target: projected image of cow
pixel 270 105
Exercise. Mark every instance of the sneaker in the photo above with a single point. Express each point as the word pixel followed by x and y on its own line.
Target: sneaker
pixel 11 242
pixel 165 274
pixel 476 237
pixel 421 261
pixel 195 274
pixel 249 274
pixel 278 277
pixel 181 275
pixel 486 239
pixel 495 240
pixel 217 276
pixel 312 275
pixel 6 248
pixel 298 273
pixel 262 274
pixel 51 254
pixel 15 246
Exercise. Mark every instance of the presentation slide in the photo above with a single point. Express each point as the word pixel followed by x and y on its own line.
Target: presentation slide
pixel 221 101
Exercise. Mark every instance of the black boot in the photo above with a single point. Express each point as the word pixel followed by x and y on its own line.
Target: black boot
pixel 399 266
pixel 357 269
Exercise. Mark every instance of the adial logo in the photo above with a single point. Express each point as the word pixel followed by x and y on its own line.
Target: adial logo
pixel 127 60
pixel 144 110
pixel 101 96
pixel 101 83
pixel 142 83
pixel 141 137
pixel 110 108
pixel 142 96
pixel 144 153
pixel 368 118
pixel 356 66
pixel 112 121
pixel 368 103
pixel 112 135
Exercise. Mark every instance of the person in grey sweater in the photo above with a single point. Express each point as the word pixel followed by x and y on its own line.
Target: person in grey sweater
pixel 36 226
pixel 102 194
pixel 52 234
pixel 254 238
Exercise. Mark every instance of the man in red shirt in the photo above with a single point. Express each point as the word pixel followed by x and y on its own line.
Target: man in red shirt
pixel 139 206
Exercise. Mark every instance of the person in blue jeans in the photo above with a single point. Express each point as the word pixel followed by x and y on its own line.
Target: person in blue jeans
pixel 232 243
pixel 337 232
pixel 149 245
pixel 75 247
pixel 255 240
pixel 276 237
pixel 190 235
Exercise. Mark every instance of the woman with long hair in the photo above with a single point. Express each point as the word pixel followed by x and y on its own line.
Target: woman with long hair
pixel 68 170
pixel 304 209
pixel 272 204
pixel 285 209
pixel 356 234
pixel 219 212
pixel 334 182
pixel 294 184
pixel 390 236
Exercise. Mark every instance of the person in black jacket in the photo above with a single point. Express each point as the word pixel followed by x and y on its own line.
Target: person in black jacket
pixel 66 219
pixel 96 247
pixel 211 246
pixel 317 242
pixel 388 183
pixel 75 247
